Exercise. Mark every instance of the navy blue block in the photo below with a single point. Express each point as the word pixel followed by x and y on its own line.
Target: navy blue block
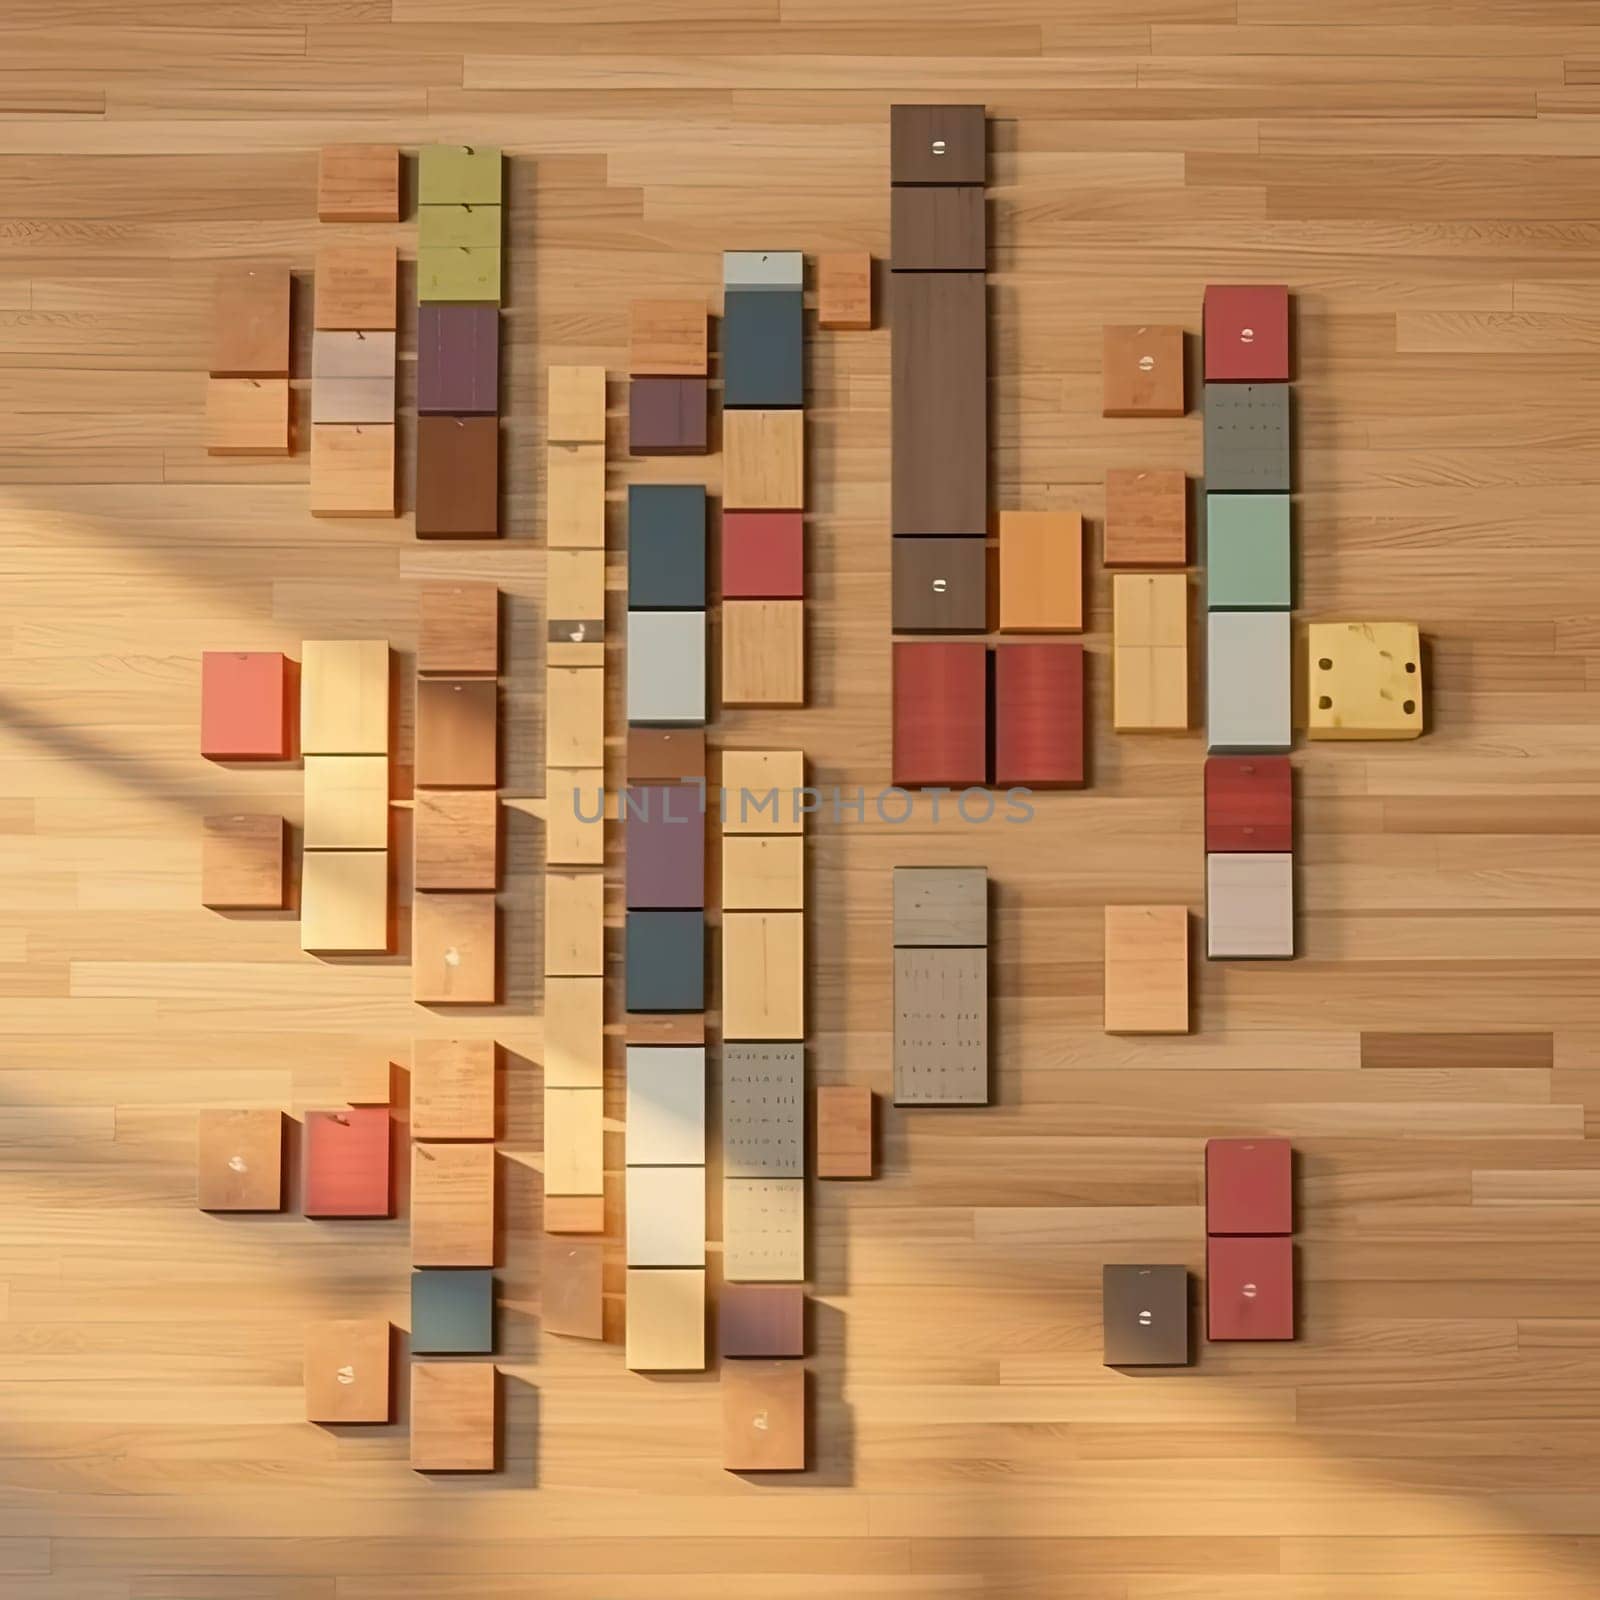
pixel 666 547
pixel 762 348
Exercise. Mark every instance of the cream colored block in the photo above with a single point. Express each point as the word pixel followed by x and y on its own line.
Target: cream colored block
pixel 761 791
pixel 347 803
pixel 1150 608
pixel 763 975
pixel 575 717
pixel 574 1033
pixel 574 1141
pixel 344 697
pixel 574 925
pixel 666 1320
pixel 1364 680
pixel 344 901
pixel 666 1216
pixel 763 873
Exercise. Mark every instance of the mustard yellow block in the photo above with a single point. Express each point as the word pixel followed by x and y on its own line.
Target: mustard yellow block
pixel 1364 680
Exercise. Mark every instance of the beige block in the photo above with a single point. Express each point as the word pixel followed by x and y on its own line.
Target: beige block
pixel 452 1205
pixel 344 697
pixel 666 1319
pixel 577 405
pixel 764 1230
pixel 347 803
pixel 575 496
pixel 1146 969
pixel 763 653
pixel 763 460
pixel 456 839
pixel 763 975
pixel 453 1089
pixel 757 775
pixel 1150 689
pixel 574 925
pixel 344 901
pixel 575 717
pixel 575 606
pixel 454 955
pixel 347 1371
pixel 574 1033
pixel 763 873
pixel 666 1216
pixel 352 469
pixel 574 1141
pixel 570 799
pixel 1150 608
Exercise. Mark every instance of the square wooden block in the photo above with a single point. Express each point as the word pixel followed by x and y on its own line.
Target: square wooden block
pixel 1038 714
pixel 1147 969
pixel 239 1165
pixel 460 175
pixel 1144 1315
pixel 352 470
pixel 844 290
pixel 938 228
pixel 763 873
pixel 452 1311
pixel 761 1319
pixel 347 1162
pixel 247 416
pixel 358 183
pixel 575 625
pixel 344 697
pixel 666 1216
pixel 458 477
pixel 1147 517
pixel 452 1205
pixel 461 275
pixel 576 405
pixel 764 1230
pixel 458 733
pixel 460 227
pixel 575 717
pixel 667 338
pixel 574 925
pixel 574 1213
pixel 570 1285
pixel 368 1080
pixel 1248 553
pixel 937 144
pixel 1250 1288
pixel 575 496
pixel 1249 802
pixel 454 960
pixel 252 323
pixel 1144 372
pixel 574 1033
pixel 457 839
pixel 244 705
pixel 763 460
pixel 666 755
pixel 941 1037
pixel 664 962
pixel 356 286
pixel 666 1320
pixel 575 829
pixel 763 555
pixel 1151 608
pixel 347 1371
pixel 458 359
pixel 344 902
pixel 763 1110
pixel 941 905
pixel 1248 688
pixel 762 791
pixel 666 666
pixel 844 1131
pixel 347 803
pixel 452 1089
pixel 1247 438
pixel 574 1141
pixel 941 713
pixel 1250 905
pixel 1249 1186
pixel 764 1416
pixel 1246 333
pixel 1150 689
pixel 763 653
pixel 241 863
pixel 666 1105
pixel 940 585
pixel 763 975
pixel 1364 680
pixel 1041 571
pixel 453 1409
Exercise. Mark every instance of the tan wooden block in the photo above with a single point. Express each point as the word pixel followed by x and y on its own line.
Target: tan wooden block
pixel 369 1081
pixel 457 839
pixel 762 791
pixel 344 697
pixel 574 925
pixel 452 1205
pixel 844 290
pixel 574 1033
pixel 1149 689
pixel 577 405
pixel 458 628
pixel 1364 680
pixel 344 901
pixel 239 1165
pixel 356 286
pixel 763 460
pixel 575 632
pixel 452 1089
pixel 1151 609
pixel 574 1141
pixel 1147 969
pixel 844 1131
pixel 358 183
pixel 570 1284
pixel 251 323
pixel 1147 517
pixel 667 338
pixel 763 975
pixel 575 717
pixel 1041 572
pixel 666 1319
pixel 458 733
pixel 763 1416
pixel 247 416
pixel 352 469
pixel 347 803
pixel 763 1230
pixel 575 496
pixel 575 830
pixel 763 653
pixel 574 1213
pixel 347 1371
pixel 941 905
pixel 453 1410
pixel 761 873
pixel 454 958
pixel 241 863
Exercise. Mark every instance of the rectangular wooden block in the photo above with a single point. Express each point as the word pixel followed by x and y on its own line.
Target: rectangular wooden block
pixel 241 863
pixel 347 803
pixel 347 1156
pixel 844 290
pixel 667 416
pixel 452 1089
pixel 1250 1288
pixel 352 353
pixel 763 460
pixel 763 1110
pixel 458 477
pixel 244 705
pixel 1249 803
pixel 458 733
pixel 1249 905
pixel 575 830
pixel 239 1161
pixel 763 345
pixel 574 925
pixel 1041 571
pixel 1248 673
pixel 574 1213
pixel 356 286
pixel 764 1230
pixel 941 906
pixel 458 359
pixel 763 653
pixel 459 175
pixel 664 961
pixel 666 1320
pixel 762 791
pixel 1147 969
pixel 667 338
pixel 1145 1315
pixel 452 1205
pixel 575 496
pixel 347 1371
pixel 574 1142
pixel 938 228
pixel 1247 438
pixel 666 1216
pixel 1249 1186
pixel 575 628
pixel 941 1035
pixel 1247 552
pixel 1143 369
pixel 570 1284
pixel 763 975
pixel 574 1033
pixel 1150 663
pixel 666 1106
pixel 764 1417
pixel 1364 680
pixel 344 697
pixel 664 846
pixel 761 1319
pixel 1038 715
pixel 340 400
pixel 940 585
pixel 446 227
pixel 251 313
pixel 1147 517
pixel 247 416
pixel 937 144
pixel 352 470
pixel 369 1081
pixel 666 547
pixel 666 666
pixel 1246 333
pixel 763 874
pixel 576 405
pixel 461 275
pixel 453 1411
pixel 844 1131
pixel 358 183
pixel 459 628
pixel 454 955
pixel 941 714
pixel 344 902
pixel 763 555
pixel 575 717
pixel 452 1311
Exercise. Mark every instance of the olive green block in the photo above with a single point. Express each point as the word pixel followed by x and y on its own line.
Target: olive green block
pixel 1247 552
pixel 466 226
pixel 457 274
pixel 458 175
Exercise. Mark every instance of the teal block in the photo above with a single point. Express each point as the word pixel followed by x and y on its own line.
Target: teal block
pixel 458 175
pixel 457 274
pixel 1247 552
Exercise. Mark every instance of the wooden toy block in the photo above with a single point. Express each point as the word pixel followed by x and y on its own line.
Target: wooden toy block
pixel 458 628
pixel 1249 1186
pixel 684 1027
pixel 763 555
pixel 763 653
pixel 347 1155
pixel 664 846
pixel 763 460
pixel 574 925
pixel 1150 662
pixel 1038 715
pixel 344 901
pixel 763 975
pixel 356 286
pixel 1041 572
pixel 575 830
pixel 369 1081
pixel 937 228
pixel 574 1213
pixel 575 717
pixel 347 1371
pixel 844 291
pixel 358 183
pixel 764 1417
pixel 941 906
pixel 452 1089
pixel 1143 370
pixel 844 1131
pixel 666 1214
pixel 1247 438
pixel 666 547
pixel 458 359
pixel 667 416
pixel 239 1165
pixel 458 477
pixel 574 1033
pixel 1247 680
pixel 1247 552
pixel 347 400
pixel 241 863
pixel 1364 680
pixel 453 1407
pixel 452 1311
pixel 244 705
pixel 576 405
pixel 762 791
pixel 666 1106
pixel 1147 969
pixel 247 416
pixel 941 1034
pixel 347 803
pixel 763 1230
pixel 761 1319
pixel 459 175
pixel 764 1110
pixel 940 585
pixel 666 1320
pixel 664 965
pixel 352 470
pixel 570 1283
pixel 454 958
pixel 251 323
pixel 457 274
pixel 574 1142
pixel 1246 333
pixel 1144 1316
pixel 666 666
pixel 941 714
pixel 937 144
pixel 763 269
pixel 344 697
pixel 452 1205
pixel 763 874
pixel 667 338
pixel 575 630
pixel 763 348
pixel 575 496
pixel 1249 905
pixel 447 227
pixel 1249 803
pixel 458 738
pixel 1250 1288
pixel 352 353
pixel 1147 517
pixel 666 755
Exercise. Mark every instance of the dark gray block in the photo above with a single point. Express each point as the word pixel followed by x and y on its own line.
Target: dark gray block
pixel 666 961
pixel 1145 1315
pixel 1247 438
pixel 666 547
pixel 762 345
pixel 452 1312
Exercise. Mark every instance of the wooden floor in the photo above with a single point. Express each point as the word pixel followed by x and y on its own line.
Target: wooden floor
pixel 1425 175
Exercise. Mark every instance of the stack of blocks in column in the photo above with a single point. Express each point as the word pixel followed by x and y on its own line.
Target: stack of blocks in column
pixel 941 986
pixel 247 394
pixel 1249 1249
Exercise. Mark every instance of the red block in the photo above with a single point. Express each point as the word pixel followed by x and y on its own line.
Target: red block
pixel 1249 1188
pixel 1247 333
pixel 1249 803
pixel 1038 715
pixel 244 705
pixel 1250 1288
pixel 941 702
pixel 347 1162
pixel 763 555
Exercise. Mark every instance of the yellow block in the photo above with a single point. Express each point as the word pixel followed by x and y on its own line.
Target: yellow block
pixel 344 697
pixel 1149 688
pixel 763 975
pixel 574 1141
pixel 763 873
pixel 763 653
pixel 761 791
pixel 577 405
pixel 575 496
pixel 1364 680
pixel 347 803
pixel 1151 608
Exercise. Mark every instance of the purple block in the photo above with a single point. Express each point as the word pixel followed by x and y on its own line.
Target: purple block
pixel 667 417
pixel 458 359
pixel 665 839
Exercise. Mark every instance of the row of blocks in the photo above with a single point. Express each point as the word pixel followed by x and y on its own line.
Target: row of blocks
pixel 941 985
pixel 668 391
pixel 941 585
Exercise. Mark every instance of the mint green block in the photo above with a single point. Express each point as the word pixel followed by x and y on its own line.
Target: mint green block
pixel 458 175
pixel 1247 552
pixel 455 274
pixel 469 227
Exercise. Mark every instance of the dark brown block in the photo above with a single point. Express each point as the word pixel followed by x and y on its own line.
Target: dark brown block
pixel 937 144
pixel 941 586
pixel 761 1319
pixel 1145 1316
pixel 662 755
pixel 457 733
pixel 938 229
pixel 667 417
pixel 458 477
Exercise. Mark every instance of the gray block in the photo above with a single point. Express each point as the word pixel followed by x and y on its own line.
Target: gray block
pixel 666 547
pixel 452 1312
pixel 941 905
pixel 762 348
pixel 666 667
pixel 763 269
pixel 941 1027
pixel 666 1105
pixel 665 961
pixel 763 1110
pixel 1247 438
pixel 1248 678
pixel 1249 905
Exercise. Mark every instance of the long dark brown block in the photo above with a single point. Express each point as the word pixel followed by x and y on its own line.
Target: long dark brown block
pixel 458 477
pixel 941 586
pixel 939 228
pixel 458 359
pixel 937 144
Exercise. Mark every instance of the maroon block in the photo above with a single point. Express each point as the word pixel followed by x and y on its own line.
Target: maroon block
pixel 1247 333
pixel 667 417
pixel 763 555
pixel 347 1162
pixel 1038 714
pixel 458 359
pixel 1249 1288
pixel 664 838
pixel 941 725
pixel 244 705
pixel 1249 803
pixel 1249 1186
pixel 761 1319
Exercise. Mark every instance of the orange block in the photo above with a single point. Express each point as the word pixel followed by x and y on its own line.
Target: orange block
pixel 247 417
pixel 252 324
pixel 844 290
pixel 358 183
pixel 1041 572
